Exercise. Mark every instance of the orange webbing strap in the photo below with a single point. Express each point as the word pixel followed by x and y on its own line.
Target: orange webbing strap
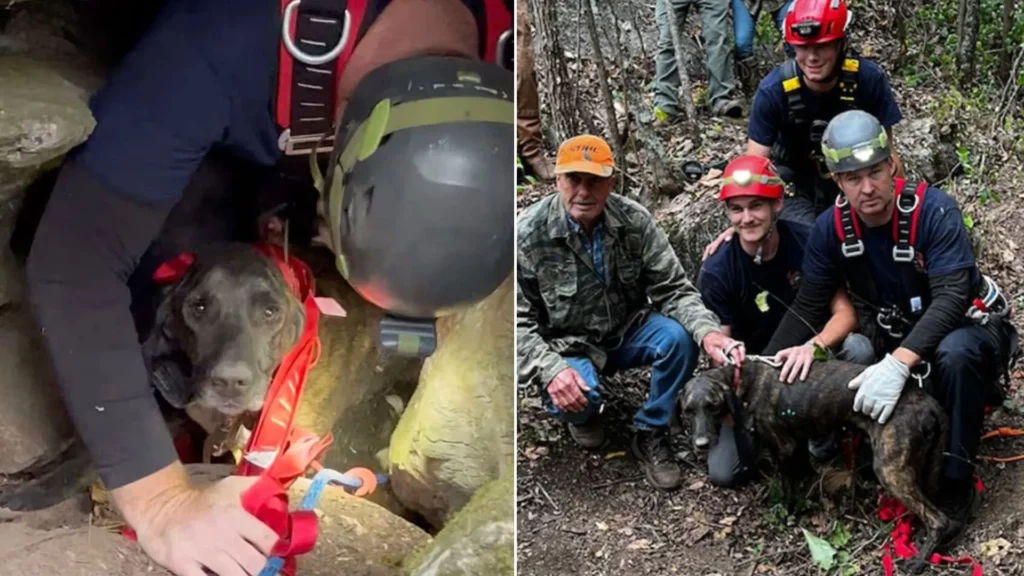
pixel 1002 433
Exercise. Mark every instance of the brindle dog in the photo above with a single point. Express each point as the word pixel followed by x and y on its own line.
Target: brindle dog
pixel 907 449
pixel 222 330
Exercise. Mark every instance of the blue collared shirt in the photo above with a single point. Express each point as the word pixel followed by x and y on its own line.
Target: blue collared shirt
pixel 594 247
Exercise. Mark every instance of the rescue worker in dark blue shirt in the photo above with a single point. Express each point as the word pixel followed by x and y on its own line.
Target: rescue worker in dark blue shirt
pixel 403 101
pixel 902 252
pixel 750 283
pixel 795 101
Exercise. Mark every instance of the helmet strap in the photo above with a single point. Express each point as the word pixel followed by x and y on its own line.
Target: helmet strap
pixel 759 255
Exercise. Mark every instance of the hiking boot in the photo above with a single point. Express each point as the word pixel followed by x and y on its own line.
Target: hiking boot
pixel 731 109
pixel 589 435
pixel 959 500
pixel 652 448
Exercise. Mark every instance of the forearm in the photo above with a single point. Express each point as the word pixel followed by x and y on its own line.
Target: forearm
pixel 951 298
pixel 87 245
pixel 842 323
pixel 535 358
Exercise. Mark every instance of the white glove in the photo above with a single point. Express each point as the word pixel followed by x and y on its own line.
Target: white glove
pixel 879 387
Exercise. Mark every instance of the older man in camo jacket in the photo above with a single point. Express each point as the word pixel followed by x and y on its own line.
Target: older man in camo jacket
pixel 600 289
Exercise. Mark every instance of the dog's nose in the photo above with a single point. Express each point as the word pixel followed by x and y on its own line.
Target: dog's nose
pixel 700 442
pixel 232 376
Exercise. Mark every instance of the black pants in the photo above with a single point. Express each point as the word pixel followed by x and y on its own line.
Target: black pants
pixel 967 364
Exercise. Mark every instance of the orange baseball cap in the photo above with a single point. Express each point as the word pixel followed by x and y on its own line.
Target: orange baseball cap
pixel 585 153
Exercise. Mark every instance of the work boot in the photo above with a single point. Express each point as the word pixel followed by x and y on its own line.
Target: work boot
pixel 652 448
pixel 541 167
pixel 589 435
pixel 731 109
pixel 959 500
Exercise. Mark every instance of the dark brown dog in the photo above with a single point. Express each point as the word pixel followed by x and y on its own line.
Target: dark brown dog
pixel 222 330
pixel 907 449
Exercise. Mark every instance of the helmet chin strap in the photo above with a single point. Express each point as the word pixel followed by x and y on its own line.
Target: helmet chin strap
pixel 758 256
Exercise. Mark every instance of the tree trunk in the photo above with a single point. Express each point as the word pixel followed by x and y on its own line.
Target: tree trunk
pixel 1006 42
pixel 966 57
pixel 901 34
pixel 611 120
pixel 684 76
pixel 561 93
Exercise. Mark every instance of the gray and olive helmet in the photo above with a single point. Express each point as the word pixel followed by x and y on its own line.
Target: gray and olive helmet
pixel 418 192
pixel 854 140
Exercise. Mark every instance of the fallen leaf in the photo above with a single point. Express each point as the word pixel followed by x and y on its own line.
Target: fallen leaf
pixel 727 521
pixel 601 526
pixel 641 544
pixel 822 552
pixel 697 534
pixel 721 534
pixel 997 547
pixel 696 485
pixel 627 531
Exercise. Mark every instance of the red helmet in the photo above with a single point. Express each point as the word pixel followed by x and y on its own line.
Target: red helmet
pixel 751 175
pixel 816 21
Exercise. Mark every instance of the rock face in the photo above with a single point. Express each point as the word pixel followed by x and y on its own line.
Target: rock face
pixel 927 149
pixel 33 424
pixel 457 433
pixel 479 539
pixel 692 221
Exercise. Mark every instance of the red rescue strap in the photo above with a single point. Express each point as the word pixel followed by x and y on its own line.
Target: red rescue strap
pixel 899 184
pixel 902 537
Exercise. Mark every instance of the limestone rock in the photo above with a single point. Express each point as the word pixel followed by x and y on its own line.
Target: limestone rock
pixel 692 221
pixel 457 433
pixel 927 149
pixel 33 423
pixel 479 539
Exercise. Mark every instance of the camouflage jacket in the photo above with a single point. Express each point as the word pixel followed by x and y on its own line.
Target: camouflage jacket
pixel 563 308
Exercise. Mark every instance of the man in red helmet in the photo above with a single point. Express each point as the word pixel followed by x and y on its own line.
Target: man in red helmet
pixel 751 283
pixel 796 100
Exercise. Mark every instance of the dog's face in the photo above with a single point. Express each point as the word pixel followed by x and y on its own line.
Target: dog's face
pixel 230 319
pixel 705 401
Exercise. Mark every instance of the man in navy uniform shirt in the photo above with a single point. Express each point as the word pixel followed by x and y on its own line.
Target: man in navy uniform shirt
pixel 901 249
pixel 751 282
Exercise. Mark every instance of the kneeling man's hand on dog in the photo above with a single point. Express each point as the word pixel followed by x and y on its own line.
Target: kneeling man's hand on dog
pixel 796 360
pixel 566 391
pixel 879 387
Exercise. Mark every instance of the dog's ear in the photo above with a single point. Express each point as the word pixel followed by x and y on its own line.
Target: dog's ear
pixel 168 366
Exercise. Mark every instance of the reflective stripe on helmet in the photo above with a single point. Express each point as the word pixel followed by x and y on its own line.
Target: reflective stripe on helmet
pixel 878 143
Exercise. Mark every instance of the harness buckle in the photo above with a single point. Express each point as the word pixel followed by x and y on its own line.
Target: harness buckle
pixel 503 50
pixel 903 254
pixel 298 54
pixel 920 377
pixel 855 249
pixel 912 207
pixel 885 321
pixel 302 145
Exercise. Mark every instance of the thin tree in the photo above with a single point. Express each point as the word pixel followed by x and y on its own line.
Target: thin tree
pixel 561 104
pixel 611 121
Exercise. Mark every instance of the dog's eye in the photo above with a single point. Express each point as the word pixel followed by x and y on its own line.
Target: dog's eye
pixel 269 312
pixel 198 306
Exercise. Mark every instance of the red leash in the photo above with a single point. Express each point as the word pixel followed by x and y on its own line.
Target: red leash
pixel 902 537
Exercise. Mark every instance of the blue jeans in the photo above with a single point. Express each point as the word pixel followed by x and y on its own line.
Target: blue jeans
pixel 659 342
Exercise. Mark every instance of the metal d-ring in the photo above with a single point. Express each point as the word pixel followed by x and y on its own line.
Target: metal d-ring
pixel 301 56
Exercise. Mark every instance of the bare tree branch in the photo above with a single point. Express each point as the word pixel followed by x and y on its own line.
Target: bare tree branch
pixel 611 123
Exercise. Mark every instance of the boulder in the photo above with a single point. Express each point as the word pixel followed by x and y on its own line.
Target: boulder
pixel 692 220
pixel 33 423
pixel 457 433
pixel 927 148
pixel 479 539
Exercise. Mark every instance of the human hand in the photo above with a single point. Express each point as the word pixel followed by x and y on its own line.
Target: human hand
pixel 187 529
pixel 795 360
pixel 565 391
pixel 725 236
pixel 879 387
pixel 719 347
